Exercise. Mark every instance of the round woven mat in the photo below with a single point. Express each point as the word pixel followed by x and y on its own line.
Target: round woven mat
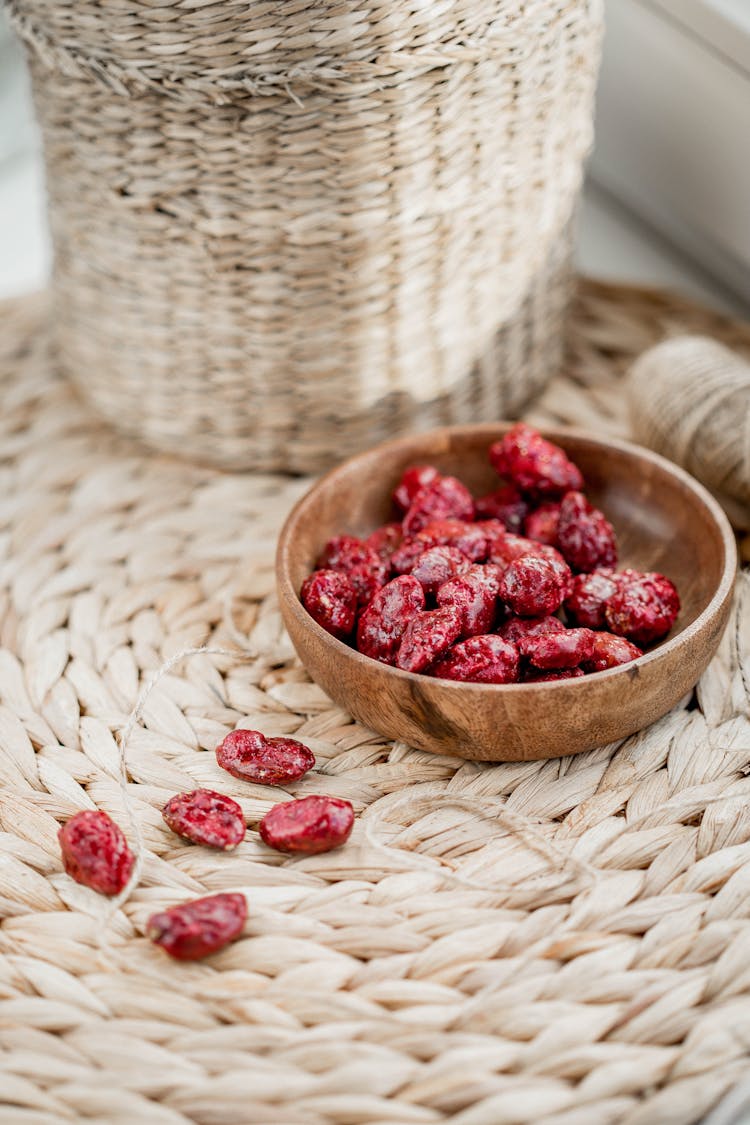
pixel 564 942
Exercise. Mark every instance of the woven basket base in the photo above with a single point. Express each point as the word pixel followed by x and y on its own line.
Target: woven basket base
pixel 563 942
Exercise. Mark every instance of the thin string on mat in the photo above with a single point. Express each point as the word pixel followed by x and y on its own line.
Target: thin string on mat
pixel 124 738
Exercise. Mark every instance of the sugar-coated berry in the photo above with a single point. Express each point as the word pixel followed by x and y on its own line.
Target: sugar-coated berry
pixel 609 651
pixel 533 464
pixel 252 756
pixel 586 603
pixel 308 826
pixel 551 651
pixel 382 624
pixel 331 599
pixel 516 629
pixel 195 929
pixel 95 852
pixel 474 594
pixel 412 481
pixel 438 565
pixel 585 536
pixel 532 586
pixel 444 498
pixel 541 525
pixel 428 636
pixel 505 504
pixel 206 817
pixel 484 659
pixel 643 608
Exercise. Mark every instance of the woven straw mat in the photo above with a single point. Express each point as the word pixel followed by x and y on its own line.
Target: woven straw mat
pixel 564 942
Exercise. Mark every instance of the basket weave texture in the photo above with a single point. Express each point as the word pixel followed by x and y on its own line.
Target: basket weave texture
pixel 283 231
pixel 561 942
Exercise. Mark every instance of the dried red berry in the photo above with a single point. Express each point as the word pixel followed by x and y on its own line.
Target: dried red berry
pixel 445 498
pixel 385 540
pixel 308 826
pixel 331 599
pixel 367 579
pixel 506 504
pixel 405 557
pixel 643 608
pixel 504 549
pixel 609 651
pixel 558 650
pixel 196 929
pixel 437 566
pixel 480 660
pixel 474 594
pixel 95 852
pixel 428 636
pixel 413 480
pixel 469 538
pixel 534 464
pixel 533 586
pixel 206 817
pixel 516 628
pixel 345 551
pixel 586 603
pixel 584 535
pixel 541 524
pixel 266 761
pixel 382 624
pixel 538 676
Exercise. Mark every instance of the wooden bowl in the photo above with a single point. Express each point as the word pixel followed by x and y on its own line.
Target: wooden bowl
pixel 664 521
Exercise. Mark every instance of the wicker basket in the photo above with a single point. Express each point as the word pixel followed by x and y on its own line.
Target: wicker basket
pixel 285 230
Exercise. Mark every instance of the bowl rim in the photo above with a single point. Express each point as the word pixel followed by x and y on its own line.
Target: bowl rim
pixel 719 598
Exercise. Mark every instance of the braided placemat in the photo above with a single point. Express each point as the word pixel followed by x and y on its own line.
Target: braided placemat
pixel 564 942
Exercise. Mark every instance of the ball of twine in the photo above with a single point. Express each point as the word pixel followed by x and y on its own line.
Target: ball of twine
pixel 689 400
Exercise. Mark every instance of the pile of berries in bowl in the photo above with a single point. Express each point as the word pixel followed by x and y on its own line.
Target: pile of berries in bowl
pixel 496 611
pixel 518 585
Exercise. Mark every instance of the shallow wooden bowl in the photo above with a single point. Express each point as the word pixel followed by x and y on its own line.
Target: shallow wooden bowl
pixel 664 521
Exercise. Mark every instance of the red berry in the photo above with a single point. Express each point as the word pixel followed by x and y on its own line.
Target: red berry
pixel 537 676
pixel 506 504
pixel 437 566
pixel 382 624
pixel 206 817
pixel 541 524
pixel 586 603
pixel 385 540
pixel 248 754
pixel 308 826
pixel 345 551
pixel 534 464
pixel 444 498
pixel 585 537
pixel 505 549
pixel 515 629
pixel 404 558
pixel 480 660
pixel 469 538
pixel 367 579
pixel 331 599
pixel 428 636
pixel 533 586
pixel 558 650
pixel 643 608
pixel 195 929
pixel 95 852
pixel 475 595
pixel 609 651
pixel 413 480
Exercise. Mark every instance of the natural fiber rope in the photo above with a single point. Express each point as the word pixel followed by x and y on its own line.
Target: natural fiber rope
pixel 556 942
pixel 382 241
pixel 690 400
